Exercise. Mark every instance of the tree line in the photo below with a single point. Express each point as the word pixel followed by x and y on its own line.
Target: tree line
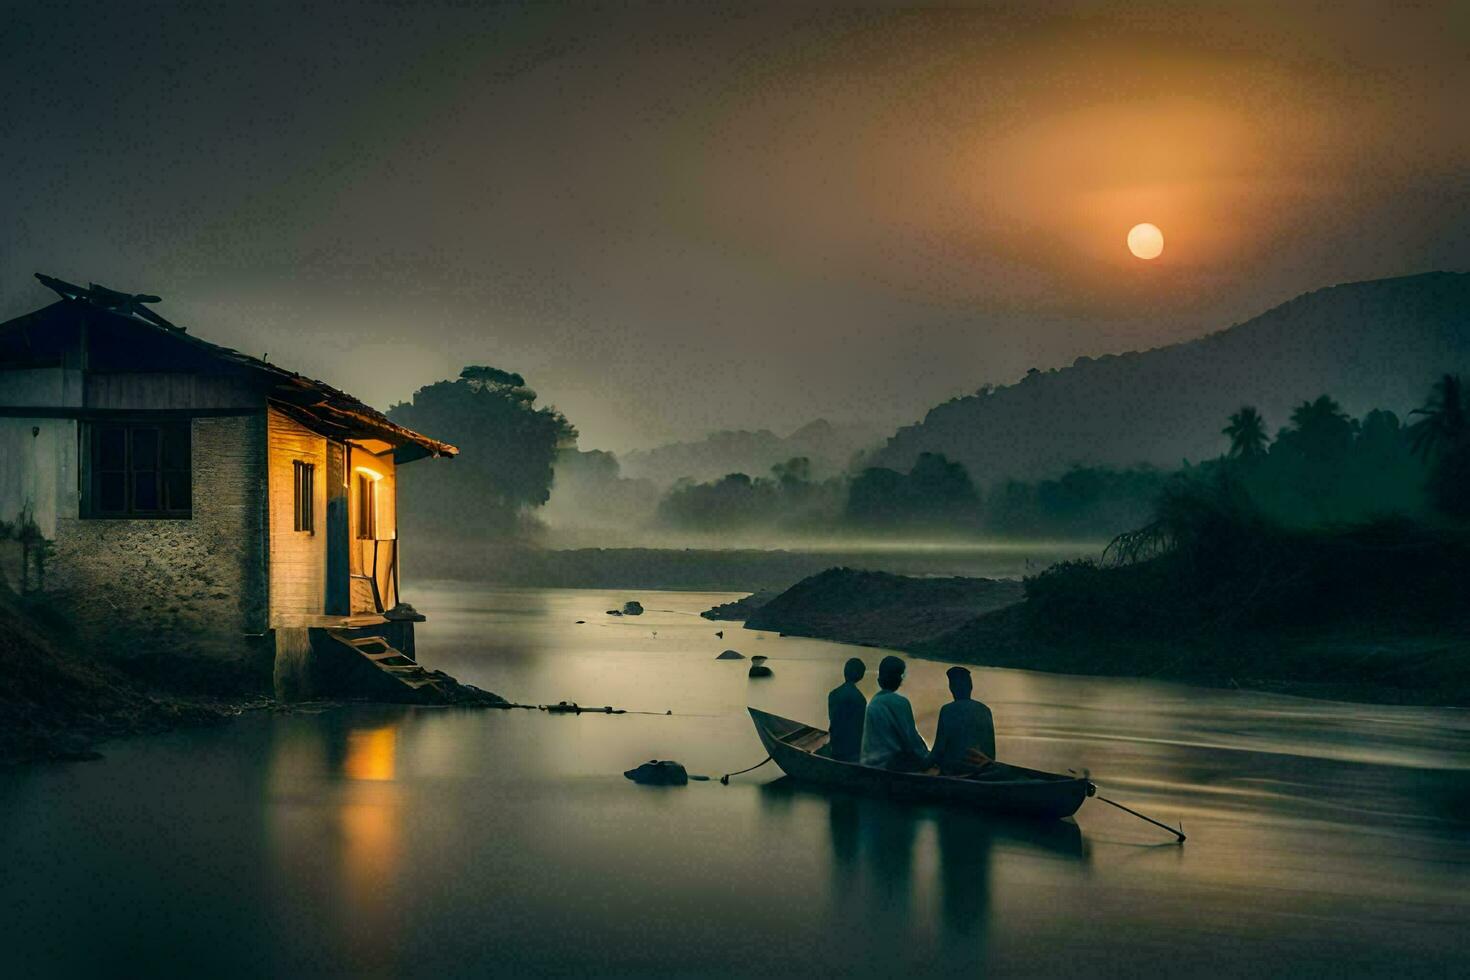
pixel 1321 467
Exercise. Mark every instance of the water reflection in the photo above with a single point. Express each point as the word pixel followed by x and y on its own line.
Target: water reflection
pixel 914 865
pixel 371 753
pixel 354 830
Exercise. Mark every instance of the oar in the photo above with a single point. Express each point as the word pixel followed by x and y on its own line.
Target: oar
pixel 1177 833
pixel 1092 791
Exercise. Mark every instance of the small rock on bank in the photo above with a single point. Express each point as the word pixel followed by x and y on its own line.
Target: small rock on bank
pixel 731 655
pixel 659 773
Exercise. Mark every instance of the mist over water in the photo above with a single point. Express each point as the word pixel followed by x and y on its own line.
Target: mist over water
pixel 980 546
pixel 372 840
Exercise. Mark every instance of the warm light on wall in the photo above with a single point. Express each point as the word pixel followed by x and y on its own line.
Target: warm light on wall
pixel 371 474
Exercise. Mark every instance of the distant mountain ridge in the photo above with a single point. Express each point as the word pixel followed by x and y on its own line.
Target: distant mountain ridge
pixel 828 445
pixel 1375 344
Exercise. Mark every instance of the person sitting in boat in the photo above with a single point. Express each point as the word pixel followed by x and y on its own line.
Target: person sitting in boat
pixel 891 740
pixel 964 741
pixel 845 709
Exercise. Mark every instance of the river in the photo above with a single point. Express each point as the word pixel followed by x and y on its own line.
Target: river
pixel 1324 838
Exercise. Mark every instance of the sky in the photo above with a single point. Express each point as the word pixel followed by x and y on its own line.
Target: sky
pixel 676 218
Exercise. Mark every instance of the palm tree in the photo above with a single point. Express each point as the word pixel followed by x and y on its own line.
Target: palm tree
pixel 1323 429
pixel 1445 426
pixel 1442 438
pixel 1247 432
pixel 1322 414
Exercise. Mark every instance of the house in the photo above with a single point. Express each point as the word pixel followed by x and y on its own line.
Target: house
pixel 203 515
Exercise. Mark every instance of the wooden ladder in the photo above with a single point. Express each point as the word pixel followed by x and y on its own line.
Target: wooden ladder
pixel 388 659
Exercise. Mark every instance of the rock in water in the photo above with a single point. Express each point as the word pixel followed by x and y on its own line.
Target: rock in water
pixel 659 773
pixel 632 608
pixel 759 658
pixel 760 670
pixel 731 655
pixel 614 612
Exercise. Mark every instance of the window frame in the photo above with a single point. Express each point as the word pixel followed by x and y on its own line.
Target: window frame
pixel 93 472
pixel 303 481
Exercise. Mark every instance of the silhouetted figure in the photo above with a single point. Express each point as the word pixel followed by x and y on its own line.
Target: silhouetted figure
pixel 965 728
pixel 890 738
pixel 846 707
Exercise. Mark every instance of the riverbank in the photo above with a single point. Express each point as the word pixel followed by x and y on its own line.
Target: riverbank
pixel 57 703
pixel 1373 614
pixel 881 609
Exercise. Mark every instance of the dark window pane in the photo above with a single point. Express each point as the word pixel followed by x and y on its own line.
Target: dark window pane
pixel 367 509
pixel 145 449
pixel 110 489
pixel 111 447
pixel 176 447
pixel 145 491
pixel 298 473
pixel 178 492
pixel 140 470
pixel 306 487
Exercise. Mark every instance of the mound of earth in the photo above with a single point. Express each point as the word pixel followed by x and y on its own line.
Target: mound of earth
pixel 881 609
pixel 740 609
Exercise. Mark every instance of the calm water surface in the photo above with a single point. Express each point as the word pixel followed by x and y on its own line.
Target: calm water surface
pixel 1325 839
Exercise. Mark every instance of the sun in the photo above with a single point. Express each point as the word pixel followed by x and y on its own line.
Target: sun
pixel 1146 241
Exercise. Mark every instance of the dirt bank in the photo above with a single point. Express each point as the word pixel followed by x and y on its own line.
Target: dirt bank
pixel 57 703
pixel 1370 614
pixel 880 609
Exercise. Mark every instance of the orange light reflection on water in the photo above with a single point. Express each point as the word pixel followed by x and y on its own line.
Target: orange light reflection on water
pixel 372 754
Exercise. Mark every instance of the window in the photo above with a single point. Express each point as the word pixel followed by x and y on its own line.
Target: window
pixel 305 482
pixel 140 470
pixel 367 507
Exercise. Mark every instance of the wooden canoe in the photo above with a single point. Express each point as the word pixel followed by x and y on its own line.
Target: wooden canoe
pixel 1000 788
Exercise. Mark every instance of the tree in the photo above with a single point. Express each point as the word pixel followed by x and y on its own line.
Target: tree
pixel 793 473
pixel 939 487
pixel 935 491
pixel 733 501
pixel 1305 478
pixel 1247 432
pixel 1442 438
pixel 480 375
pixel 877 495
pixel 1323 429
pixel 508 450
pixel 1444 424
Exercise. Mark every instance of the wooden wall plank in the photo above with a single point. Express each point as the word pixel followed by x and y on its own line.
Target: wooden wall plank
pixel 298 559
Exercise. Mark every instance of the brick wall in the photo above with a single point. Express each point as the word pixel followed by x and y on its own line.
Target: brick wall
pixel 181 597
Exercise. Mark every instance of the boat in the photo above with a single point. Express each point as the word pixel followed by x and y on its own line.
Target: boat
pixel 998 788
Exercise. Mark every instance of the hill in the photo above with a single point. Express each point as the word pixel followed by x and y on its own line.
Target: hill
pixel 829 446
pixel 1368 344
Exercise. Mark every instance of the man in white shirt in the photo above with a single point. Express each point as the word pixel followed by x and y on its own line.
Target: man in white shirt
pixel 890 738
